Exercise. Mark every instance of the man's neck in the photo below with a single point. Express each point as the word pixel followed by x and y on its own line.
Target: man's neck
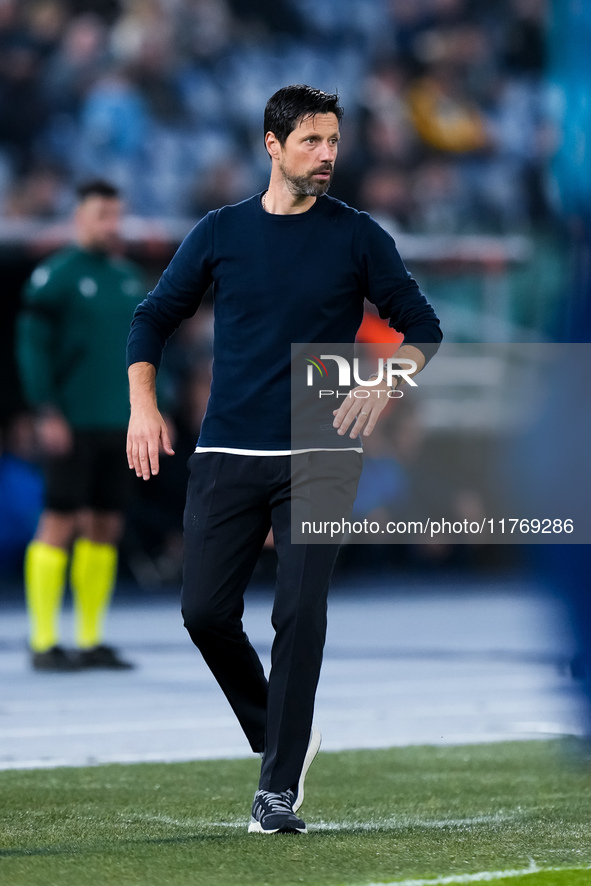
pixel 278 200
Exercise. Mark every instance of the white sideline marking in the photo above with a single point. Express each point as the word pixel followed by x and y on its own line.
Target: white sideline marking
pixel 481 877
pixel 393 822
pixel 188 756
pixel 406 821
pixel 167 819
pixel 128 726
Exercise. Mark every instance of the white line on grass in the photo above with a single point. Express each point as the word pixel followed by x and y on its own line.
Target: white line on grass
pixel 481 877
pixel 409 821
pixel 53 730
pixel 399 822
pixel 187 756
pixel 167 819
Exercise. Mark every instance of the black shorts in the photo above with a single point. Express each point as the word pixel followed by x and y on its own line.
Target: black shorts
pixel 94 475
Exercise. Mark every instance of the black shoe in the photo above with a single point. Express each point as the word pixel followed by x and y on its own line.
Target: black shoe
pixel 54 659
pixel 102 657
pixel 273 814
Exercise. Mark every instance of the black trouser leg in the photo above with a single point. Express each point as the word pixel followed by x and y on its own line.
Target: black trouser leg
pixel 299 619
pixel 231 501
pixel 227 519
pixel 300 614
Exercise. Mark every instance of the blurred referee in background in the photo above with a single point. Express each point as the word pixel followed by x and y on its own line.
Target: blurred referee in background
pixel 78 305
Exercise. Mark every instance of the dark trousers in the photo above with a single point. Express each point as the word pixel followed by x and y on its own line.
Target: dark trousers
pixel 232 502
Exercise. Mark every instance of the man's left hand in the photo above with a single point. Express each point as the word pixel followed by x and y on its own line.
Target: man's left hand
pixel 361 413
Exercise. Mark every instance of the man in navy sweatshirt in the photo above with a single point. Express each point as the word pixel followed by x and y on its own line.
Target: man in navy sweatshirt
pixel 288 265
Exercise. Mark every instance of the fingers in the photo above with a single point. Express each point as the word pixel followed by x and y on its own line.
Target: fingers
pixel 143 451
pixel 358 415
pixel 354 417
pixel 142 457
pixel 150 462
pixel 166 444
pixel 344 415
pixel 352 414
pixel 371 422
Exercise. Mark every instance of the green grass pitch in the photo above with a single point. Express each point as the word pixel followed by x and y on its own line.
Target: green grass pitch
pixel 396 815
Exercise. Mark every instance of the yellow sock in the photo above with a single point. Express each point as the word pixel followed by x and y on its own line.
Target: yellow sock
pixel 92 576
pixel 45 580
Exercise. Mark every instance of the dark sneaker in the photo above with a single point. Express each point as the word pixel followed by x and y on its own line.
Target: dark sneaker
pixel 273 814
pixel 102 657
pixel 54 659
pixel 313 748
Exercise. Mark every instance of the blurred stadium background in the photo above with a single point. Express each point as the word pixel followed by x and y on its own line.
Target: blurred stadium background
pixel 465 135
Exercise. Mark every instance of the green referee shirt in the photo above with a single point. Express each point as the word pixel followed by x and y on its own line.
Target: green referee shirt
pixel 71 336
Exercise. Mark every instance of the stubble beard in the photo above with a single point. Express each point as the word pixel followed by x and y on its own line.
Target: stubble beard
pixel 304 185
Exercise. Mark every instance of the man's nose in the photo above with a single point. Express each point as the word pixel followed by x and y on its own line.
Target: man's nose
pixel 327 152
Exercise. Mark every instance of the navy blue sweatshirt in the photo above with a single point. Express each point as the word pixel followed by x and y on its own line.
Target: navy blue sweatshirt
pixel 277 279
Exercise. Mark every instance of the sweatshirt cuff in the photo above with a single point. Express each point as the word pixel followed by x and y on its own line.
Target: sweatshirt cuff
pixel 143 354
pixel 424 343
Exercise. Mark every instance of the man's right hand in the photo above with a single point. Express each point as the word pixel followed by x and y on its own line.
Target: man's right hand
pixel 147 435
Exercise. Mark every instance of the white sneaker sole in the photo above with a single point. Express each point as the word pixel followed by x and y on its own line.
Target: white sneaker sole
pixel 255 827
pixel 313 748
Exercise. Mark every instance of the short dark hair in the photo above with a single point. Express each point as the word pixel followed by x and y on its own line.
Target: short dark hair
pixel 96 187
pixel 291 104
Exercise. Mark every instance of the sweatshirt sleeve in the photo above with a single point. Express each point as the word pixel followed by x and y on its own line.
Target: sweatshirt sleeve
pixel 395 293
pixel 37 335
pixel 176 296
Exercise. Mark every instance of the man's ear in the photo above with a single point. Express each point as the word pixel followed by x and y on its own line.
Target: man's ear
pixel 272 145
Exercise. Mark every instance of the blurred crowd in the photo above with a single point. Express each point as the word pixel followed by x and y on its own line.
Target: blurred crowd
pixel 447 126
pixel 448 129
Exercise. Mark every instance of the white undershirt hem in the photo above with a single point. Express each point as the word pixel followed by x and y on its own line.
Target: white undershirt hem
pixel 273 451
